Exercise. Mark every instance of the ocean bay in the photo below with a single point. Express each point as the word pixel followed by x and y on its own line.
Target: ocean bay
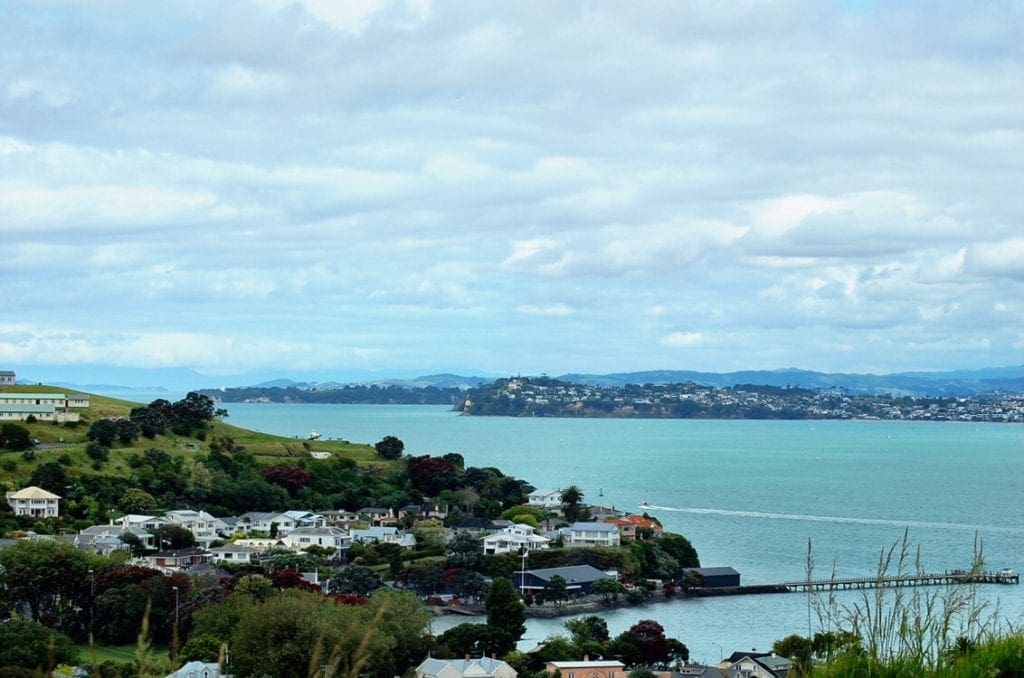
pixel 748 494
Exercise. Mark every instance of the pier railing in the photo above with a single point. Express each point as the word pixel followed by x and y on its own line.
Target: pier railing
pixel 898 581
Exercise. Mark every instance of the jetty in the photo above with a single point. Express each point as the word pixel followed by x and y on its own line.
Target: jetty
pixel 902 580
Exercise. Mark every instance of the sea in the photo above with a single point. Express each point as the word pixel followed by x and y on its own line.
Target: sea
pixel 758 496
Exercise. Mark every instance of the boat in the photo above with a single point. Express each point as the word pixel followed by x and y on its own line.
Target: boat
pixel 313 435
pixel 644 505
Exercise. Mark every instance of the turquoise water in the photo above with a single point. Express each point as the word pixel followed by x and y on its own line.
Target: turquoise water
pixel 748 494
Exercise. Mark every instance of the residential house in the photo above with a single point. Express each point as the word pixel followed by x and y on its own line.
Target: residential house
pixel 479 526
pixel 235 554
pixel 103 544
pixel 273 523
pixel 589 535
pixel 119 531
pixel 377 516
pixel 55 407
pixel 383 535
pixel 545 499
pixel 302 538
pixel 176 561
pixel 482 667
pixel 632 525
pixel 513 539
pixel 340 518
pixel 35 502
pixel 6 378
pixel 143 522
pixel 262 545
pixel 755 664
pixel 586 668
pixel 306 518
pixel 579 579
pixel 205 527
pixel 198 669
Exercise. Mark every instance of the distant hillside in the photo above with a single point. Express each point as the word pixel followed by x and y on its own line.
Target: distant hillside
pixel 957 383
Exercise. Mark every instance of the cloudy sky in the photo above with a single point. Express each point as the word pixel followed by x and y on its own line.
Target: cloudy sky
pixel 512 187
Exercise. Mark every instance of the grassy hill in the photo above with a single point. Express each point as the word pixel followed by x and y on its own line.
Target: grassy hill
pixel 66 443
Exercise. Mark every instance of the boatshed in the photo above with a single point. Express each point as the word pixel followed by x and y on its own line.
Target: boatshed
pixel 713 577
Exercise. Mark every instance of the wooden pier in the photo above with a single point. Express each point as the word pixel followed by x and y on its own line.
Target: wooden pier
pixel 904 580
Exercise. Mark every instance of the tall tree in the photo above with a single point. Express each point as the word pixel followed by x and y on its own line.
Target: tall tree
pixel 505 609
pixel 389 447
pixel 572 497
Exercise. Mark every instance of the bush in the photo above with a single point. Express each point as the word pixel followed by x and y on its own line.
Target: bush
pixel 97 451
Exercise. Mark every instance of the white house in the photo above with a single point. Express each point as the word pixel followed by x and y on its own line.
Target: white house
pixel 235 553
pixel 147 523
pixel 54 407
pixel 483 667
pixel 545 499
pixel 514 539
pixel 589 535
pixel 198 669
pixel 383 535
pixel 6 378
pixel 262 521
pixel 326 537
pixel 118 531
pixel 205 527
pixel 34 501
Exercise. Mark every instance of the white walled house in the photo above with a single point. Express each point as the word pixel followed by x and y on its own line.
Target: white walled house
pixel 545 499
pixel 514 539
pixel 34 501
pixel 55 407
pixel 205 527
pixel 325 537
pixel 589 535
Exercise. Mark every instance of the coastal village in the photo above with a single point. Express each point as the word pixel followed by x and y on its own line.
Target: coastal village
pixel 522 396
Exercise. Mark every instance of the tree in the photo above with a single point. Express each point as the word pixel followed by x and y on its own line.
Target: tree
pixel 357 579
pixel 49 579
pixel 505 609
pixel 50 476
pixel 556 589
pixel 174 537
pixel 425 580
pixel 473 639
pixel 572 497
pixel 389 447
pixel 797 649
pixel 32 646
pixel 151 421
pixel 465 551
pixel 15 437
pixel 135 500
pixel 609 588
pixel 645 644
pixel 587 628
pixel 103 431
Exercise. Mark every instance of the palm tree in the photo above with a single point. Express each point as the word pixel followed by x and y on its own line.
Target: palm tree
pixel 572 497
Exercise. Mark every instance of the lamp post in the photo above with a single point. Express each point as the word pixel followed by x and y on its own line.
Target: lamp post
pixel 175 607
pixel 92 601
pixel 522 575
pixel 721 652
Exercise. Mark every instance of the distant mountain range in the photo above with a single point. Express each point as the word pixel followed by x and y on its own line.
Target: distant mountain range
pixel 113 380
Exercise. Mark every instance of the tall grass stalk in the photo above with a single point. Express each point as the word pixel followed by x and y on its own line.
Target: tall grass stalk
pixel 909 628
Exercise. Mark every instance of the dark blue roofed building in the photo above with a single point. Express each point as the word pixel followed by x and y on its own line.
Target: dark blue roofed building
pixel 713 577
pixel 579 579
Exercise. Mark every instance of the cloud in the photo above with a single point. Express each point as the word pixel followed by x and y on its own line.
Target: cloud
pixel 683 339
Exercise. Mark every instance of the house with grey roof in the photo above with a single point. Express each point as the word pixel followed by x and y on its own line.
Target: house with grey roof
pixel 579 579
pixel 589 535
pixel 236 554
pixel 117 532
pixel 302 538
pixel 482 667
pixel 198 669
pixel 6 378
pixel 755 664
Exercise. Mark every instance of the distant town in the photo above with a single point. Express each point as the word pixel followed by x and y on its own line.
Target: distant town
pixel 546 397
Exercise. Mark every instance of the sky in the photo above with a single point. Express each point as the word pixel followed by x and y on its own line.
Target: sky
pixel 409 186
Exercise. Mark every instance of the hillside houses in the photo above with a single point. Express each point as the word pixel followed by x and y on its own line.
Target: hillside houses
pixel 51 407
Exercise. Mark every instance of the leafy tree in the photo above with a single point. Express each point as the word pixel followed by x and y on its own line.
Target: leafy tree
pixel 431 475
pixel 50 476
pixel 151 421
pixel 97 451
pixel 465 583
pixel 505 609
pixel 425 580
pixel 645 644
pixel 555 589
pixel 103 431
pixel 797 649
pixel 135 500
pixel 174 537
pixel 202 647
pixel 465 551
pixel 572 497
pixel 609 588
pixel 191 413
pixel 15 437
pixel 472 639
pixel 680 548
pixel 357 579
pixel 389 447
pixel 291 478
pixel 30 645
pixel 47 578
pixel 127 431
pixel 589 628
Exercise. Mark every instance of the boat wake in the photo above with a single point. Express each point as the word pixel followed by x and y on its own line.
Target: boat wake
pixel 762 515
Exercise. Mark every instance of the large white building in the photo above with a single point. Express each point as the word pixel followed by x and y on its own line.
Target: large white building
pixel 34 501
pixel 57 407
pixel 513 539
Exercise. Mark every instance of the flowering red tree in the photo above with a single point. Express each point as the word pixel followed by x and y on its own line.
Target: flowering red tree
pixel 431 475
pixel 291 478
